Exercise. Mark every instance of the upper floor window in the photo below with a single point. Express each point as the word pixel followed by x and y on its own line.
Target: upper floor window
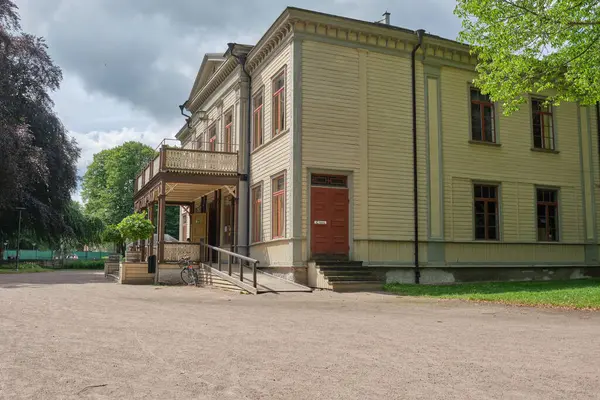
pixel 257 120
pixel 543 125
pixel 486 212
pixel 483 128
pixel 228 134
pixel 212 138
pixel 278 110
pixel 278 207
pixel 547 215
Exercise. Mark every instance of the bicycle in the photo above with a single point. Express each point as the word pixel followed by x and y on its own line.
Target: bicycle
pixel 189 275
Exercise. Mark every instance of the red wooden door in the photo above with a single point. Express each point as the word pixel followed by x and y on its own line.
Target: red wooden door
pixel 329 222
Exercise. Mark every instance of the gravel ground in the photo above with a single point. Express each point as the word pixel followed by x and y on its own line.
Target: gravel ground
pixel 72 335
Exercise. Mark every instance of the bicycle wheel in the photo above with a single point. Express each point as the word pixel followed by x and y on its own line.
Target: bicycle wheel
pixel 187 276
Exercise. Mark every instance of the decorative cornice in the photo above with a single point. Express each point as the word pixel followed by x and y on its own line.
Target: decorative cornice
pixel 381 37
pixel 269 44
pixel 217 79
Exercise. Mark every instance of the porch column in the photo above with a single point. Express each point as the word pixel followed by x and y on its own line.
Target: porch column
pixel 151 240
pixel 161 228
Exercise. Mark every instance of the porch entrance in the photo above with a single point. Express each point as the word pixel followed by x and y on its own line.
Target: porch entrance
pixel 329 217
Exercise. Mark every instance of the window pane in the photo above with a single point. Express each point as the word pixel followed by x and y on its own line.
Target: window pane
pixel 492 233
pixel 282 110
pixel 488 117
pixel 477 191
pixel 491 219
pixel 485 192
pixel 480 233
pixel 541 216
pixel 479 207
pixel 491 208
pixel 479 219
pixel 476 122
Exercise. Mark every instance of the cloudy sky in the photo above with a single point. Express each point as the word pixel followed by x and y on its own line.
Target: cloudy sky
pixel 127 64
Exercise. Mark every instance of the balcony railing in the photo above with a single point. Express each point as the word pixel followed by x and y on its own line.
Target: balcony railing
pixel 206 159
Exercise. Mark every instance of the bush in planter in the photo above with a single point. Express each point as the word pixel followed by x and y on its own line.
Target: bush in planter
pixel 135 227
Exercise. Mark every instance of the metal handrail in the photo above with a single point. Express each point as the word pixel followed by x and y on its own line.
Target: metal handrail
pixel 230 256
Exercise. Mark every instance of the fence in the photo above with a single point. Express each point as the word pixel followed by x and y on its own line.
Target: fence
pixel 34 255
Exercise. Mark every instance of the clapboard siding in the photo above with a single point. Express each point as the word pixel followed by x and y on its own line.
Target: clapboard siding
pixel 390 165
pixel 331 112
pixel 274 156
pixel 513 165
pixel 330 116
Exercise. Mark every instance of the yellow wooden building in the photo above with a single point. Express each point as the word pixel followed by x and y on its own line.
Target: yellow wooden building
pixel 299 152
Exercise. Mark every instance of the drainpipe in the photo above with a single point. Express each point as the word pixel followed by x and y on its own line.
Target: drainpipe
pixel 598 125
pixel 242 61
pixel 420 33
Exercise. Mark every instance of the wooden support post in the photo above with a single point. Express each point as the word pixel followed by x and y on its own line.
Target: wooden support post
pixel 151 240
pixel 161 227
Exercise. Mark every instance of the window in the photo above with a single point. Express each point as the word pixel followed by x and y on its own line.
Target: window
pixel 278 208
pixel 482 117
pixel 227 145
pixel 256 214
pixel 547 215
pixel 543 125
pixel 257 121
pixel 212 138
pixel 278 110
pixel 486 212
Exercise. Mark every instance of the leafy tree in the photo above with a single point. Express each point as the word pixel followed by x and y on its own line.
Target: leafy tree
pixel 112 234
pixel 38 159
pixel 83 229
pixel 109 180
pixel 136 227
pixel 528 46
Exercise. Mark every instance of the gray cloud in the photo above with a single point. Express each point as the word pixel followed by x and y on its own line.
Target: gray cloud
pixel 127 64
pixel 146 53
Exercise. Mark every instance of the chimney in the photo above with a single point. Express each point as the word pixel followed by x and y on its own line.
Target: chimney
pixel 386 18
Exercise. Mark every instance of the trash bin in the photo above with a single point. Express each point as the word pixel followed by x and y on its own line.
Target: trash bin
pixel 151 264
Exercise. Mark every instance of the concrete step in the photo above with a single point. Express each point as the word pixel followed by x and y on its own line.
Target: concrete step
pixel 351 278
pixel 354 286
pixel 343 268
pixel 336 272
pixel 349 264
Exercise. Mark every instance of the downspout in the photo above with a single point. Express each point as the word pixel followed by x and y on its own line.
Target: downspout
pixel 420 33
pixel 242 61
pixel 598 125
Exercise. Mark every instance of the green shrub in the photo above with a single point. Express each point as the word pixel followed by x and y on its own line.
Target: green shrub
pixel 136 227
pixel 83 264
pixel 22 265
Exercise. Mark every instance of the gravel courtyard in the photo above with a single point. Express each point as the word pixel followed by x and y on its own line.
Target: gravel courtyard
pixel 72 335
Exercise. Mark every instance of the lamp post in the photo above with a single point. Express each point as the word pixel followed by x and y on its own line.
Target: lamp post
pixel 19 237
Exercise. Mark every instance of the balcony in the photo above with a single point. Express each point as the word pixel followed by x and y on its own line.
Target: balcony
pixel 209 159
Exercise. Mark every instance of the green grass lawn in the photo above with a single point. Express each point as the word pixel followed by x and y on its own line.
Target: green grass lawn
pixel 581 294
pixel 24 268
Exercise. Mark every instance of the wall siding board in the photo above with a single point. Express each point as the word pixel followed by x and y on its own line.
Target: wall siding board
pixel 513 165
pixel 273 157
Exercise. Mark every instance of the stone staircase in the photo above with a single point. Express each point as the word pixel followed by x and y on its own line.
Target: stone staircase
pixel 344 276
